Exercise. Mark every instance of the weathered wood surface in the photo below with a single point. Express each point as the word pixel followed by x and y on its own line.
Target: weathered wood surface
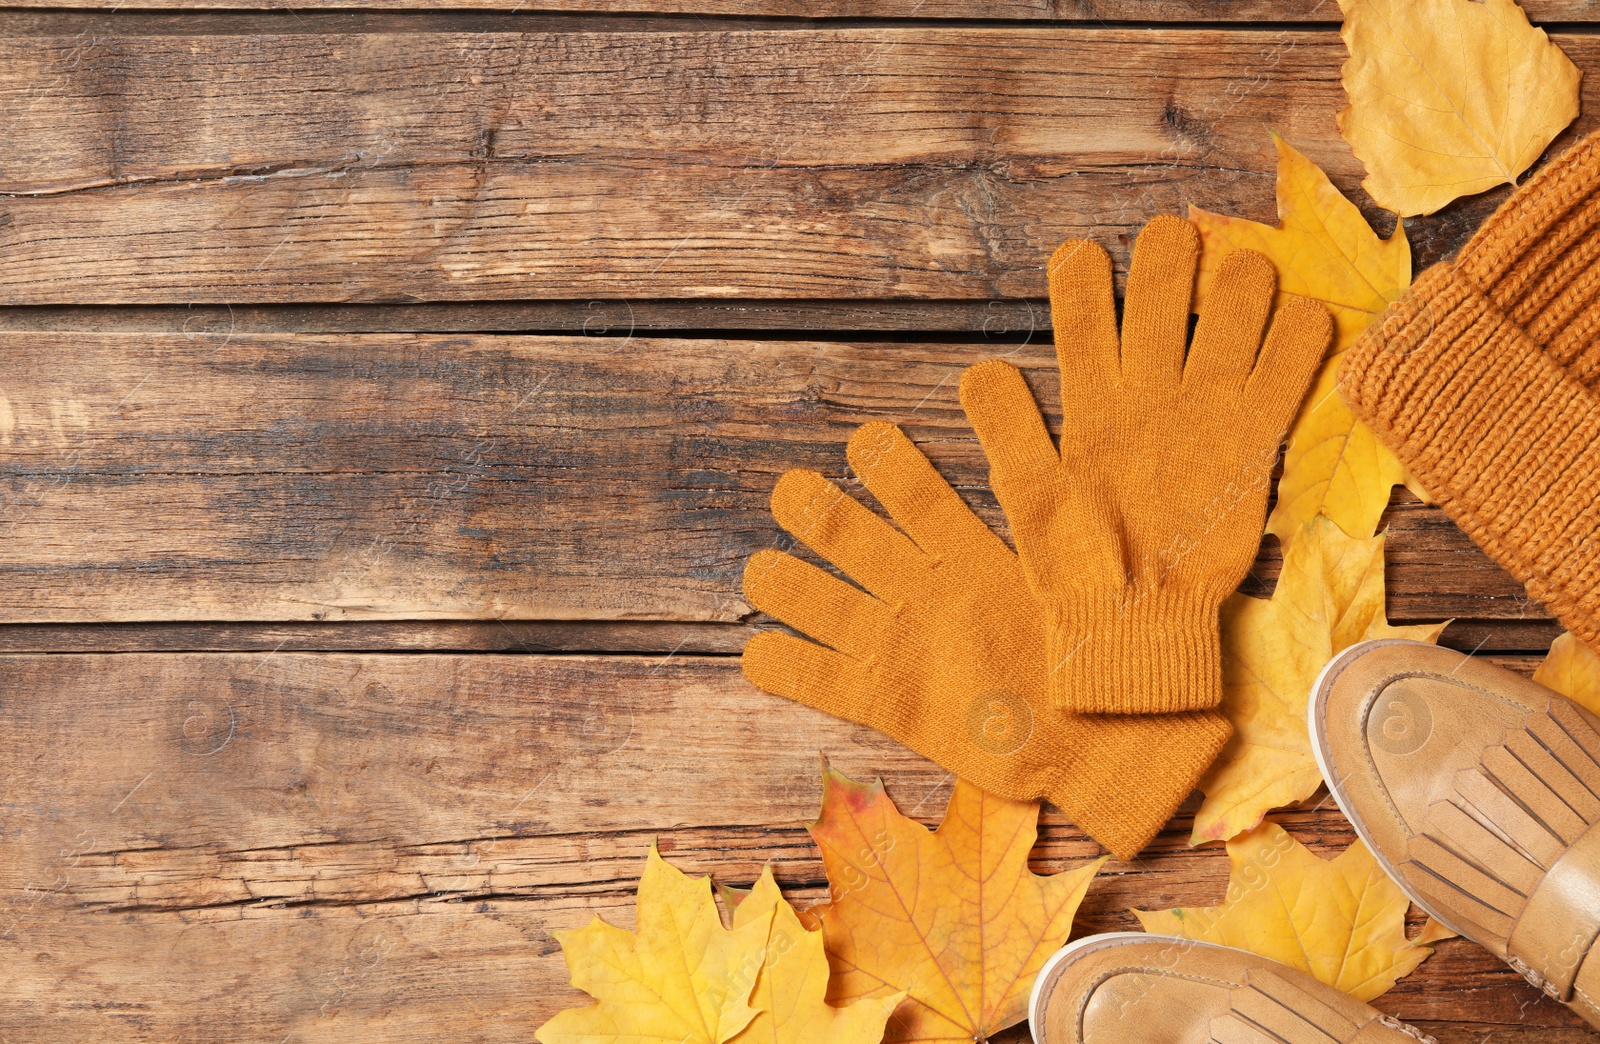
pixel 375 847
pixel 853 163
pixel 1090 11
pixel 659 637
pixel 1014 320
pixel 152 477
pixel 278 778
pixel 514 636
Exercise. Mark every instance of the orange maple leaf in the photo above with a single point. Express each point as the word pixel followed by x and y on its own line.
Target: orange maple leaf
pixel 954 917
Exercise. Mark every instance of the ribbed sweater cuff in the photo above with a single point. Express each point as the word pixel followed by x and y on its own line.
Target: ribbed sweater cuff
pixel 1124 805
pixel 1504 438
pixel 1136 652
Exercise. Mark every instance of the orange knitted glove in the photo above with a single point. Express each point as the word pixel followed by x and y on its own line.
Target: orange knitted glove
pixel 1151 513
pixel 944 651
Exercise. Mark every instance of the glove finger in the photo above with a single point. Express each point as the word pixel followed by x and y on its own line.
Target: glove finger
pixel 1295 347
pixel 917 497
pixel 839 528
pixel 1010 428
pixel 816 603
pixel 1155 316
pixel 1231 323
pixel 808 673
pixel 1083 310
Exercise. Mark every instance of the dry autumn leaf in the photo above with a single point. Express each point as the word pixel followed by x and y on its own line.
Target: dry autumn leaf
pixel 1449 98
pixel 954 916
pixel 683 977
pixel 1434 932
pixel 793 982
pixel 1572 669
pixel 1323 249
pixel 1341 920
pixel 1330 595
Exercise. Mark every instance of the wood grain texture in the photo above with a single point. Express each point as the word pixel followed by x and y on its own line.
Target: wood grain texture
pixel 845 163
pixel 658 637
pixel 1090 11
pixel 258 477
pixel 661 637
pixel 1014 320
pixel 295 766
pixel 376 847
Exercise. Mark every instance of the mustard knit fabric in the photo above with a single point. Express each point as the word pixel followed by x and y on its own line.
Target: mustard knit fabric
pixel 1485 381
pixel 944 650
pixel 1150 514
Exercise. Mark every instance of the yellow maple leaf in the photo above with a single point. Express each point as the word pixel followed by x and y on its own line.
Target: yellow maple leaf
pixel 1323 249
pixel 1340 920
pixel 793 982
pixel 1573 670
pixel 1335 466
pixel 1449 98
pixel 1330 595
pixel 953 917
pixel 683 977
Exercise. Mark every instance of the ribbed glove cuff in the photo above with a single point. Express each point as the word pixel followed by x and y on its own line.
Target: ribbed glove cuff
pixel 1505 439
pixel 1146 651
pixel 1117 810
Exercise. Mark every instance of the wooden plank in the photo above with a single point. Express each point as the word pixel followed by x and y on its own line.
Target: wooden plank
pixel 840 163
pixel 388 100
pixel 1092 12
pixel 369 847
pixel 1016 320
pixel 260 477
pixel 1499 636
pixel 661 637
pixel 520 636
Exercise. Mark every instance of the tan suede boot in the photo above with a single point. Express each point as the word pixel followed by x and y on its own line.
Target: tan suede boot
pixel 1479 792
pixel 1132 988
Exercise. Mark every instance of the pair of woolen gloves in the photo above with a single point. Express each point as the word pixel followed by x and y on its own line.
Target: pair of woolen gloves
pixel 1083 668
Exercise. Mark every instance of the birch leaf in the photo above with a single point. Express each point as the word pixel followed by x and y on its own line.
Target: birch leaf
pixel 1449 98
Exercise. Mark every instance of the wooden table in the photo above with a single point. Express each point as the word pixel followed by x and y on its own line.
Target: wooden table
pixel 390 398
